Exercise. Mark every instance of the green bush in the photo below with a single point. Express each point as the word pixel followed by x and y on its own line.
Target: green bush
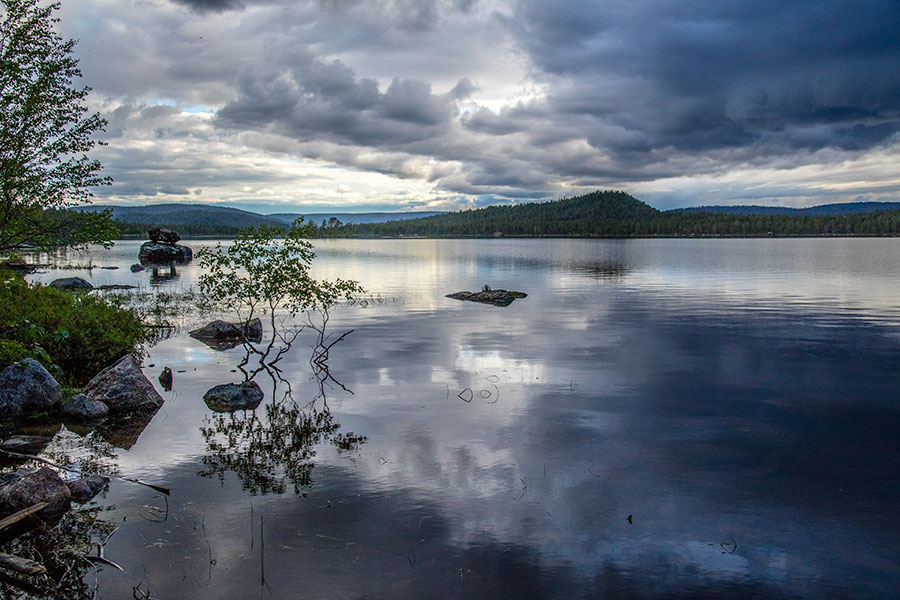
pixel 73 335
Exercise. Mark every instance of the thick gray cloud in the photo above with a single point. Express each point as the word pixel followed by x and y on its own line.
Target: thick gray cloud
pixel 698 77
pixel 513 98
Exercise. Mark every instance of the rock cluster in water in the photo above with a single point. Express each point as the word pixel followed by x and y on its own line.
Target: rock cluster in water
pixel 163 249
pixel 25 488
pixel 489 296
pixel 27 388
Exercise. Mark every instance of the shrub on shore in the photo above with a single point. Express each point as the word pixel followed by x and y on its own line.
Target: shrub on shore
pixel 73 335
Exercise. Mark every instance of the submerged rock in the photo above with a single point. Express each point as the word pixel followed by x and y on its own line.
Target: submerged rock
pixel 165 379
pixel 83 408
pixel 84 489
pixel 26 444
pixel 222 335
pixel 494 297
pixel 43 485
pixel 75 284
pixel 123 387
pixel 27 387
pixel 230 397
pixel 117 286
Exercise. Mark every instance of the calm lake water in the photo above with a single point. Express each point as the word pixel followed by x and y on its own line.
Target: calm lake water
pixel 658 418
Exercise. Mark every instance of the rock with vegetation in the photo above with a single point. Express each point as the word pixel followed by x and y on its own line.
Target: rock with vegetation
pixel 230 397
pixel 163 236
pixel 75 284
pixel 123 387
pixel 26 387
pixel 83 490
pixel 156 253
pixel 43 485
pixel 82 408
pixel 223 335
pixel 489 296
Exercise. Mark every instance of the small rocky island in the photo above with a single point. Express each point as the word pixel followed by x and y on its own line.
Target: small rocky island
pixel 489 296
pixel 163 249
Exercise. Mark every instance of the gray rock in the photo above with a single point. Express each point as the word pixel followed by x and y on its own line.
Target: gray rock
pixel 43 485
pixel 123 387
pixel 27 387
pixel 83 408
pixel 84 489
pixel 223 335
pixel 136 268
pixel 230 397
pixel 75 284
pixel 165 379
pixel 26 444
pixel 494 297
pixel 155 253
pixel 163 236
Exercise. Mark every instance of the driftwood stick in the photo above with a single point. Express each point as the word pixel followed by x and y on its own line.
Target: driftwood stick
pixel 22 565
pixel 22 514
pixel 162 490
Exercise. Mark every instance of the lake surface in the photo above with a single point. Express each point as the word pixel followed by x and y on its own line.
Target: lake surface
pixel 658 418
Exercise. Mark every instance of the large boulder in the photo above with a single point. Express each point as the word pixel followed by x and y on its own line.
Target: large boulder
pixel 26 387
pixel 223 335
pixel 43 485
pixel 82 408
pixel 230 397
pixel 156 253
pixel 489 296
pixel 163 236
pixel 75 284
pixel 123 387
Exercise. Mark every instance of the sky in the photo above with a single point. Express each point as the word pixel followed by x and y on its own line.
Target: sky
pixel 397 105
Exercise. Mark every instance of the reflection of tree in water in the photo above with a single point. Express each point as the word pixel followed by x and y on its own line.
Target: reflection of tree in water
pixel 61 549
pixel 267 453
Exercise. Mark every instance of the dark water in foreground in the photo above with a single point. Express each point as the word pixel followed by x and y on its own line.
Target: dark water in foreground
pixel 673 418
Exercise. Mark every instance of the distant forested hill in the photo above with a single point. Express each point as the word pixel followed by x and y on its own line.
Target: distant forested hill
pixel 352 218
pixel 571 216
pixel 617 214
pixel 187 214
pixel 822 209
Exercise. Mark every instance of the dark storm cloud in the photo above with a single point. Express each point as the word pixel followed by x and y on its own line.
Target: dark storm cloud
pixel 697 77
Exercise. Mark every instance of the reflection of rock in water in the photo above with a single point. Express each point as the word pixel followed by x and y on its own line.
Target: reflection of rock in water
pixel 162 274
pixel 604 270
pixel 123 432
pixel 268 453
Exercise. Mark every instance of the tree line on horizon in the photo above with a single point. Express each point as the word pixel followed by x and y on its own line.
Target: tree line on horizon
pixel 618 214
pixel 598 214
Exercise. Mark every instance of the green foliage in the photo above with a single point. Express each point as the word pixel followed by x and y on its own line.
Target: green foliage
pixel 262 272
pixel 73 335
pixel 45 134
